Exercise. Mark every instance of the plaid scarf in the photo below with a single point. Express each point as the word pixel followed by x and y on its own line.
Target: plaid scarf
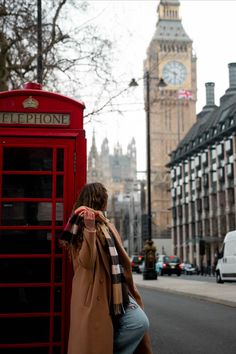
pixel 69 235
pixel 117 276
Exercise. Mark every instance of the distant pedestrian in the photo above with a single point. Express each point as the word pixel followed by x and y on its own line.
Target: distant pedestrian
pixel 106 308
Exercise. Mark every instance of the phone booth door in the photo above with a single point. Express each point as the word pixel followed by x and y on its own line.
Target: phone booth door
pixel 36 190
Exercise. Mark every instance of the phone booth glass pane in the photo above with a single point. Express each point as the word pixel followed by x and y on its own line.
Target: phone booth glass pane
pixel 26 186
pixel 27 159
pixel 25 241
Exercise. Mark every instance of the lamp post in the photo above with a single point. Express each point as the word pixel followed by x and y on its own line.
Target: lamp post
pixel 149 200
pixel 149 271
pixel 39 43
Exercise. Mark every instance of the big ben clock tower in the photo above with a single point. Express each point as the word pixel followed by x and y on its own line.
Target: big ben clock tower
pixel 172 110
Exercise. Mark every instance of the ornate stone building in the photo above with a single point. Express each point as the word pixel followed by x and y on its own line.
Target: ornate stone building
pixel 117 172
pixel 170 57
pixel 111 169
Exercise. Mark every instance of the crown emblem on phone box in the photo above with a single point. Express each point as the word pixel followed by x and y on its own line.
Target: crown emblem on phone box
pixel 30 102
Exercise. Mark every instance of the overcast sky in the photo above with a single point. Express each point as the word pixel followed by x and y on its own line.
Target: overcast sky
pixel 131 24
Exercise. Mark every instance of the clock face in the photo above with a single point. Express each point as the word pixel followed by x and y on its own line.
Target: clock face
pixel 174 73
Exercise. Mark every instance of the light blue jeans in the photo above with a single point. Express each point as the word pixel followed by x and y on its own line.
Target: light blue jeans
pixel 132 327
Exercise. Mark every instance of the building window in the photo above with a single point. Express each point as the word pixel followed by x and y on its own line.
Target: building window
pixel 204 158
pixel 220 150
pixel 186 212
pixel 199 173
pixel 180 212
pixel 192 209
pixel 173 173
pixel 231 196
pixel 213 153
pixel 186 167
pixel 192 164
pixel 185 189
pixel 174 213
pixel 214 176
pixel 205 181
pixel 193 229
pixel 206 203
pixel 178 171
pixel 207 227
pixel 179 190
pixel 173 192
pixel 199 224
pixel 228 146
pixel 199 205
pixel 198 183
pixel 197 161
pixel 221 174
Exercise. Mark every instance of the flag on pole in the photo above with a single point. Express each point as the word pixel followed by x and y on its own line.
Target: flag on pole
pixel 185 94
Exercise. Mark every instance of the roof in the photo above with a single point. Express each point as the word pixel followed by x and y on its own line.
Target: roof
pixel 171 30
pixel 212 123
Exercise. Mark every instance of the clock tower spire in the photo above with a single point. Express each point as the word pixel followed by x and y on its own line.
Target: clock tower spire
pixel 170 57
pixel 168 10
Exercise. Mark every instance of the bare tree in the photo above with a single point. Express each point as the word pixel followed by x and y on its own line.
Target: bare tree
pixel 75 54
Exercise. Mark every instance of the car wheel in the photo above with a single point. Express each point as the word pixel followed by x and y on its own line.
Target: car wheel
pixel 178 274
pixel 218 278
pixel 169 274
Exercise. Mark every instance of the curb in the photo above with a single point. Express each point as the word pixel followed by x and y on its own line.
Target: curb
pixel 220 294
pixel 189 294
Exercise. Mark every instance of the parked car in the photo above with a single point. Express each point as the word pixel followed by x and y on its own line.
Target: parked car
pixel 188 268
pixel 136 261
pixel 226 265
pixel 168 265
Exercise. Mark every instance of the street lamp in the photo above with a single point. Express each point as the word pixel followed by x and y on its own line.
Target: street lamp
pixel 149 272
pixel 39 43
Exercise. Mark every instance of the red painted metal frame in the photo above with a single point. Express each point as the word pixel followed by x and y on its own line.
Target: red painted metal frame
pixel 72 140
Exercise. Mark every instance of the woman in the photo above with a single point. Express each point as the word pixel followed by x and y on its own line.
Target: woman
pixel 106 308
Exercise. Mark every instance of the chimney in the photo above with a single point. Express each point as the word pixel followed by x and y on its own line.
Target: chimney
pixel 232 75
pixel 210 98
pixel 210 93
pixel 232 83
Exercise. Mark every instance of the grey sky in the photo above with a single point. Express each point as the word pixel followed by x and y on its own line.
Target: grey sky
pixel 131 24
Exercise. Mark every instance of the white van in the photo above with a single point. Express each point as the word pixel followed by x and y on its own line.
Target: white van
pixel 226 265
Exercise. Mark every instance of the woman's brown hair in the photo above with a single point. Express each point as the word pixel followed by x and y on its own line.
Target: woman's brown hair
pixel 92 195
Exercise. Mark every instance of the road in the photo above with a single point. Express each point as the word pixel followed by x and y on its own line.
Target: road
pixel 180 324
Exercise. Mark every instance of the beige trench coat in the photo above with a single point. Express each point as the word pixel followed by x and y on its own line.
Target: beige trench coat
pixel 91 329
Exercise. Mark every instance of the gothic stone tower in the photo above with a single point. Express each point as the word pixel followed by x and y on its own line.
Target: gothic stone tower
pixel 169 56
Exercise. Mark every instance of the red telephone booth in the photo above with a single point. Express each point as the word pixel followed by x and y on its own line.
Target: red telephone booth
pixel 42 168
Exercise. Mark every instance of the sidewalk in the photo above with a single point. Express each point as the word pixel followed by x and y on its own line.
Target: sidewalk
pixel 220 293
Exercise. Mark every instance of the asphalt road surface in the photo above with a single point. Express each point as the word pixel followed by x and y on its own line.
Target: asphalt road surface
pixel 184 325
